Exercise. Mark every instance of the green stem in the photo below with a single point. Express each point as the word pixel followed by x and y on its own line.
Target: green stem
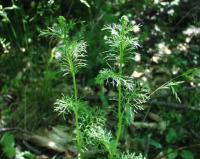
pixel 11 26
pixel 72 71
pixel 13 30
pixel 78 137
pixel 110 155
pixel 119 114
pixel 160 87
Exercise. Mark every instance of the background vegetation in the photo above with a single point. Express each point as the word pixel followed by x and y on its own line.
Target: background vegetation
pixel 30 80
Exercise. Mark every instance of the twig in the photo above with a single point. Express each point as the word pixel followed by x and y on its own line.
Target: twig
pixel 31 148
pixel 175 105
pixel 178 149
pixel 70 7
pixel 195 7
pixel 150 125
pixel 3 130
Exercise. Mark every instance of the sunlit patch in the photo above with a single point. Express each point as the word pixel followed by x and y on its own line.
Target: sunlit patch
pixel 136 28
pixel 22 49
pixel 144 79
pixel 137 57
pixel 163 49
pixel 188 39
pixel 156 27
pixel 136 74
pixel 175 70
pixel 182 47
pixel 156 58
pixel 175 2
pixel 171 12
pixel 51 144
pixel 192 31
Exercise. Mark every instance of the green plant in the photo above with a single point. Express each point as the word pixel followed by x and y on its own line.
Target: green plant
pixel 8 145
pixel 121 46
pixel 4 46
pixel 130 95
pixel 25 155
pixel 72 53
pixel 128 155
pixel 5 18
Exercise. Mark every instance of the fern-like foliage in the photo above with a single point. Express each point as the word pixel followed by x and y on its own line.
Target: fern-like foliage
pixel 67 105
pixel 73 58
pixel 72 50
pixel 90 116
pixel 120 40
pixel 90 121
pixel 114 78
pixel 60 30
pixel 129 155
pixel 99 136
pixel 121 50
pixel 136 97
pixel 97 132
pixel 134 101
pixel 170 85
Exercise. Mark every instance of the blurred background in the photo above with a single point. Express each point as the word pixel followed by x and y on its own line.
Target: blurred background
pixel 169 35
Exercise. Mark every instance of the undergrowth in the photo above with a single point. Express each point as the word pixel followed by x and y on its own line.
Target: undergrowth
pixel 91 128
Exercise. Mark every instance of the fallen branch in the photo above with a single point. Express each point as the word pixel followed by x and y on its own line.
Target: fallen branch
pixel 3 130
pixel 176 150
pixel 175 105
pixel 151 125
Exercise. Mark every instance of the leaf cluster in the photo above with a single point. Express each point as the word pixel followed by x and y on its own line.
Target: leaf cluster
pixel 114 78
pixel 72 52
pixel 120 40
pixel 129 155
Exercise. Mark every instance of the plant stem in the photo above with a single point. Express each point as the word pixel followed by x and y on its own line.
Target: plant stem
pixel 119 115
pixel 160 87
pixel 78 138
pixel 110 155
pixel 72 71
pixel 13 30
pixel 11 26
